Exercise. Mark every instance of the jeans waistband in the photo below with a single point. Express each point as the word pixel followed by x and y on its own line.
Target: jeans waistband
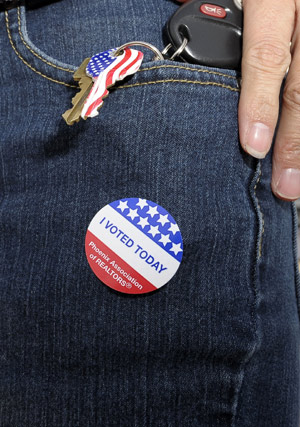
pixel 10 4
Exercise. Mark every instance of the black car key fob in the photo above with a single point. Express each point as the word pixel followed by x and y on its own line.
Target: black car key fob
pixel 213 32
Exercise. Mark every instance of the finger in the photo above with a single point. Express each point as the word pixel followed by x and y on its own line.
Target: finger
pixel 286 156
pixel 268 28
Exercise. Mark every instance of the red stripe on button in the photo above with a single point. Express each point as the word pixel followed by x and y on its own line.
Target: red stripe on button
pixel 108 274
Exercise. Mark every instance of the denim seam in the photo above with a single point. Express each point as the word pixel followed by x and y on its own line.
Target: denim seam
pixel 254 280
pixel 26 63
pixel 121 87
pixel 35 53
pixel 51 64
pixel 261 215
pixel 180 81
pixel 189 69
pixel 295 249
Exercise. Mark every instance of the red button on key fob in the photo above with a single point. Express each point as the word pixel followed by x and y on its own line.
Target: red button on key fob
pixel 213 10
pixel 213 31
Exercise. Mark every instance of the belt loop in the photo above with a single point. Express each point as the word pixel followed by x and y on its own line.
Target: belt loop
pixel 9 4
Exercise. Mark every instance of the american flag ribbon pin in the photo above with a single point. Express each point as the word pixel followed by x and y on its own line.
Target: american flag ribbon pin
pixel 99 73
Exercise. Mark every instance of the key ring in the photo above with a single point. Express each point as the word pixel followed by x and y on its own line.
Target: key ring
pixel 178 51
pixel 158 54
pixel 239 4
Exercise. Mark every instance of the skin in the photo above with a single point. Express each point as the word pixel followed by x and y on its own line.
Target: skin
pixel 271 47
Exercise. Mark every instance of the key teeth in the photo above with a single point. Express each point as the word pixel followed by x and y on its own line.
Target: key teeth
pixel 105 95
pixel 84 85
pixel 66 115
pixel 84 81
pixel 76 97
pixel 80 72
pixel 95 114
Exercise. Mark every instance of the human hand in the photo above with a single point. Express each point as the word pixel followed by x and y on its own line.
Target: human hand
pixel 269 27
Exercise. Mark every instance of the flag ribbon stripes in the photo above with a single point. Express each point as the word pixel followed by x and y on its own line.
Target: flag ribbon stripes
pixel 106 69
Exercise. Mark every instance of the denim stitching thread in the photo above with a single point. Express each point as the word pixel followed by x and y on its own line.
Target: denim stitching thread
pixel 295 248
pixel 26 63
pixel 255 288
pixel 187 68
pixel 262 216
pixel 121 87
pixel 133 85
pixel 144 69
pixel 36 54
pixel 181 81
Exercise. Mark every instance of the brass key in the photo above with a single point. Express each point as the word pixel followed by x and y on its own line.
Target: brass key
pixel 85 84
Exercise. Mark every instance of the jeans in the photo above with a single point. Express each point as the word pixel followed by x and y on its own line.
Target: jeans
pixel 218 345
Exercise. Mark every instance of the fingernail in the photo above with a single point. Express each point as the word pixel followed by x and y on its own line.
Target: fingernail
pixel 259 140
pixel 288 184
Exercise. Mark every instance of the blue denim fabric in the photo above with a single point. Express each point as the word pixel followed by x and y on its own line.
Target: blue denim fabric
pixel 219 344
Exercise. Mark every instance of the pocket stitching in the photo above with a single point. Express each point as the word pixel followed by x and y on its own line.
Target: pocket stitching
pixel 120 87
pixel 51 64
pixel 260 213
pixel 180 81
pixel 35 53
pixel 189 69
pixel 26 63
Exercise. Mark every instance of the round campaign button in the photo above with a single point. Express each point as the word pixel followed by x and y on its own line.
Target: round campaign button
pixel 133 245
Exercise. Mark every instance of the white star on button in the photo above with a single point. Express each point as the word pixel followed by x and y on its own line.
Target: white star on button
pixel 165 239
pixel 142 203
pixel 123 205
pixel 152 211
pixel 173 228
pixel 153 230
pixel 176 248
pixel 133 213
pixel 143 222
pixel 163 219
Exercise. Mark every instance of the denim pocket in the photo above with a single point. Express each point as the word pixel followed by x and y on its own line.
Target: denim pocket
pixel 55 70
pixel 31 56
